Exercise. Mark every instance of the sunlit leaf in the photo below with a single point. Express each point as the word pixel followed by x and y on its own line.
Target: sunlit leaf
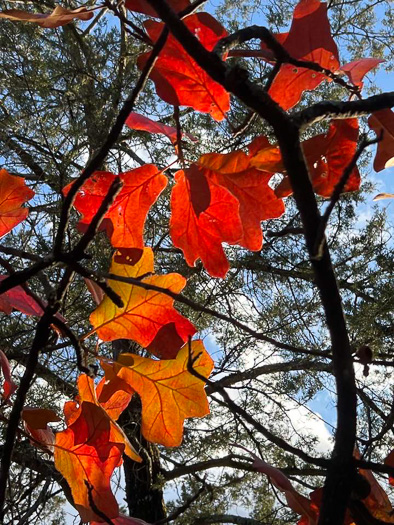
pixel 310 39
pixel 9 386
pixel 257 200
pixel 139 122
pixel 169 392
pixel 177 77
pixel 13 193
pixel 145 312
pixel 327 157
pixel 382 123
pixel 357 69
pixel 142 6
pixel 203 216
pixel 89 450
pixel 125 219
pixel 60 16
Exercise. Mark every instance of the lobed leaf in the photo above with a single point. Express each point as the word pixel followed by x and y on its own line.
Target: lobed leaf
pixel 382 123
pixel 146 312
pixel 142 6
pixel 257 200
pixel 310 39
pixel 13 193
pixel 203 216
pixel 89 450
pixel 169 392
pixel 179 80
pixel 125 219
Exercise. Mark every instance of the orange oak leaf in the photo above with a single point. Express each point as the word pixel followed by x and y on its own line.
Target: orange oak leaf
pixel 145 312
pixel 257 200
pixel 60 16
pixel 382 122
pixel 177 77
pixel 310 39
pixel 169 392
pixel 327 157
pixel 89 450
pixel 357 69
pixel 13 193
pixel 36 424
pixel 203 216
pixel 142 6
pixel 139 122
pixel 9 386
pixel 125 219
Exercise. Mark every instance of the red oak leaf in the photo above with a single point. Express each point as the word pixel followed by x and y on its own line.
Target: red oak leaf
pixel 124 221
pixel 178 79
pixel 327 157
pixel 145 312
pixel 357 69
pixel 310 39
pixel 13 193
pixel 257 201
pixel 142 6
pixel 203 216
pixel 139 122
pixel 89 450
pixel 9 386
pixel 36 424
pixel 382 123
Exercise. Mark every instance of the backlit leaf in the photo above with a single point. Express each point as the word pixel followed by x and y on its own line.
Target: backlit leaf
pixel 9 386
pixel 139 122
pixel 60 16
pixel 203 216
pixel 13 193
pixel 145 312
pixel 249 186
pixel 177 77
pixel 125 219
pixel 382 123
pixel 357 69
pixel 36 424
pixel 142 6
pixel 169 392
pixel 310 39
pixel 89 450
pixel 327 157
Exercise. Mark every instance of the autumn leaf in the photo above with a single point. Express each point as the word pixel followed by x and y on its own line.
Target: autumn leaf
pixel 296 501
pixel 13 193
pixel 60 16
pixel 145 312
pixel 327 157
pixel 310 39
pixel 381 196
pixel 36 424
pixel 9 386
pixel 203 216
pixel 125 219
pixel 142 6
pixel 89 450
pixel 357 69
pixel 169 392
pixel 139 122
pixel 249 186
pixel 382 123
pixel 178 79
